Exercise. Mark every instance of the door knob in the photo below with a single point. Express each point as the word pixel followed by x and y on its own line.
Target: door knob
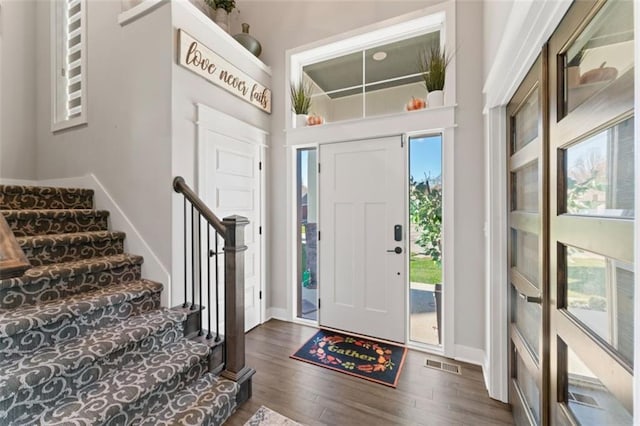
pixel 396 250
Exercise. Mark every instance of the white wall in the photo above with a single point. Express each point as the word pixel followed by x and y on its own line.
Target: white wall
pixel 17 89
pixel 284 25
pixel 495 15
pixel 127 141
pixel 188 89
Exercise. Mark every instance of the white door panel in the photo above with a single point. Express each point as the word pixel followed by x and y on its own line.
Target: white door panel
pixel 362 284
pixel 231 186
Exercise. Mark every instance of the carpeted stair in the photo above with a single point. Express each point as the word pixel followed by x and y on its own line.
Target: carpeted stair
pixel 83 339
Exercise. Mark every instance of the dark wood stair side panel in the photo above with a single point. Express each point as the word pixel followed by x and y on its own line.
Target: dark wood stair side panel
pixel 13 261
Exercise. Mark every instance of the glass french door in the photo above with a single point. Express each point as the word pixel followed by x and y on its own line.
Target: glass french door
pixel 591 214
pixel 528 361
pixel 571 188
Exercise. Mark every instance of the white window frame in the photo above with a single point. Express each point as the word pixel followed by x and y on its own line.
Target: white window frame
pixel 59 81
pixel 436 18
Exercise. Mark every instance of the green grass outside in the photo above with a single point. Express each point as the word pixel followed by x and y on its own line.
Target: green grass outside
pixel 424 270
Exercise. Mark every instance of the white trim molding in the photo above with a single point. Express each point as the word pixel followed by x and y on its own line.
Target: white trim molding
pixel 138 11
pixel 636 298
pixel 469 355
pixel 530 25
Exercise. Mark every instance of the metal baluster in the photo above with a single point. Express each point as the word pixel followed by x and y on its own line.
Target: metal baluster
pixel 200 272
pixel 184 305
pixel 209 281
pixel 217 293
pixel 193 265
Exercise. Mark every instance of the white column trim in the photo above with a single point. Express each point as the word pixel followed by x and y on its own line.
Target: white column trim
pixel 636 381
pixel 529 26
pixel 496 346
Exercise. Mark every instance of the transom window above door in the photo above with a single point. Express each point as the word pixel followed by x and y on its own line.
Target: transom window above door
pixel 370 72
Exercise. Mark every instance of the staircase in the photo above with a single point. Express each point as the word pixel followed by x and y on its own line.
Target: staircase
pixel 83 338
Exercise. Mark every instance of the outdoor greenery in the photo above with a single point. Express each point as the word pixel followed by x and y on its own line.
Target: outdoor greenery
pixel 425 270
pixel 301 97
pixel 425 210
pixel 433 64
pixel 227 5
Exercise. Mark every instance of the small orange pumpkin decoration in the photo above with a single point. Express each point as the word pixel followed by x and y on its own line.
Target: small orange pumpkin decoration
pixel 314 120
pixel 416 103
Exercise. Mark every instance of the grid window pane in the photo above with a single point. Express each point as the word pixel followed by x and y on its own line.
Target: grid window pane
pixel 525 256
pixel 600 295
pixel 529 388
pixel 525 123
pixel 528 320
pixel 525 188
pixel 588 399
pixel 601 54
pixel 600 173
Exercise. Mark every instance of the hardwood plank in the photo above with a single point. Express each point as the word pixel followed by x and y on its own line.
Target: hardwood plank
pixel 317 396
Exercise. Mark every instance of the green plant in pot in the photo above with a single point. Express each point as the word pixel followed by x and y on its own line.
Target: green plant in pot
pixel 301 101
pixel 433 64
pixel 222 10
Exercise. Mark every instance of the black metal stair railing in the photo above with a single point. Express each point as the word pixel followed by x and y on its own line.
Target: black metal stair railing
pixel 198 217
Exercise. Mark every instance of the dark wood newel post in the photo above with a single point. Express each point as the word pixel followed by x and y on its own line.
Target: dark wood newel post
pixel 234 248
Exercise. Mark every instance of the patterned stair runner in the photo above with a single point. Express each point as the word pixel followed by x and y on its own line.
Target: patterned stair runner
pixel 83 339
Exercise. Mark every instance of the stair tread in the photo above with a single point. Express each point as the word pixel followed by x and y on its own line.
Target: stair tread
pixel 69 238
pixel 69 269
pixel 51 213
pixel 202 399
pixel 98 401
pixel 18 320
pixel 46 190
pixel 70 355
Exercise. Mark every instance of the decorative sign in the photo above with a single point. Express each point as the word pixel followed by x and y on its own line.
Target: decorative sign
pixel 198 58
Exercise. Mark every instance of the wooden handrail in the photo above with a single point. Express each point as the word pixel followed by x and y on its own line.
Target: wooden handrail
pixel 181 187
pixel 13 261
pixel 231 229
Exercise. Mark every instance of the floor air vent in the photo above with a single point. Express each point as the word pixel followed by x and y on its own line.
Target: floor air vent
pixel 580 398
pixel 444 366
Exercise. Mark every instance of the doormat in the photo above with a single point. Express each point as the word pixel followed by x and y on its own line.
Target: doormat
pixel 368 359
pixel 267 417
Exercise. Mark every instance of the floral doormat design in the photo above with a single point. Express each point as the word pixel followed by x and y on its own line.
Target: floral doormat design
pixel 368 359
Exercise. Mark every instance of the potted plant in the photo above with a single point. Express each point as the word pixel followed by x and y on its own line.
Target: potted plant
pixel 222 10
pixel 433 65
pixel 301 102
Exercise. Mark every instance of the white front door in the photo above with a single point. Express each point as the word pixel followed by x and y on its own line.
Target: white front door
pixel 230 179
pixel 362 250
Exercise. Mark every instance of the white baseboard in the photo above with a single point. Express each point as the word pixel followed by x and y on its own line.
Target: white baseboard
pixel 470 355
pixel 26 182
pixel 277 313
pixel 152 268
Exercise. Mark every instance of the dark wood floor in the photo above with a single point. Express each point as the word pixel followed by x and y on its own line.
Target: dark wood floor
pixel 317 396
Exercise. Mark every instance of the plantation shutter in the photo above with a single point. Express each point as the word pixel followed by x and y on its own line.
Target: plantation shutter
pixel 69 62
pixel 74 57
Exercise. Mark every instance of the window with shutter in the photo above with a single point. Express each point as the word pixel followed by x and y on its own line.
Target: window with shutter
pixel 69 63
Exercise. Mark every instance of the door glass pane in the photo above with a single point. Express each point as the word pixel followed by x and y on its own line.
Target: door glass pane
pixel 600 295
pixel 307 226
pixel 425 266
pixel 525 187
pixel 525 123
pixel 525 255
pixel 528 319
pixel 600 173
pixel 528 387
pixel 601 54
pixel 588 399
